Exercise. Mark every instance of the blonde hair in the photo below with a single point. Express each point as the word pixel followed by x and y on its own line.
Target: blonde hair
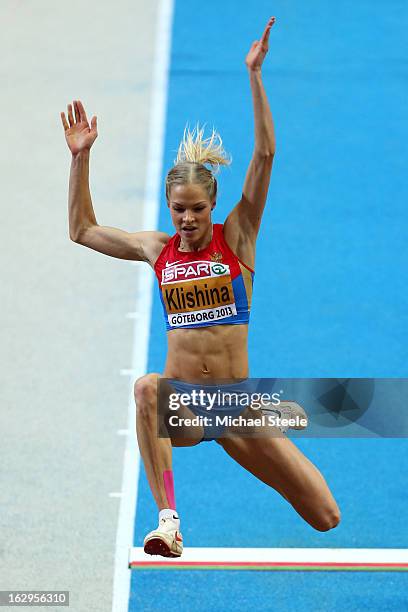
pixel 194 151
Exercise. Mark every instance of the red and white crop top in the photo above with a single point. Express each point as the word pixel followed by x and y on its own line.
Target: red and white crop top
pixel 203 288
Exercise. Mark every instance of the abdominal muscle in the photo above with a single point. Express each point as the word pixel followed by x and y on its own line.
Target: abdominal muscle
pixel 207 353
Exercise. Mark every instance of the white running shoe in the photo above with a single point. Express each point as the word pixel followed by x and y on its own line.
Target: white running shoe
pixel 286 410
pixel 166 540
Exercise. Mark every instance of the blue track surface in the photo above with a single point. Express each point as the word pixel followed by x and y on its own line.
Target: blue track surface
pixel 329 297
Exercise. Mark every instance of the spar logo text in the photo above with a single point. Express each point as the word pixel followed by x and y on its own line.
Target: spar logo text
pixel 195 269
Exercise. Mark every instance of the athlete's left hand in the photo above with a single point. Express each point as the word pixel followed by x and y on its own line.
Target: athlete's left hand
pixel 259 49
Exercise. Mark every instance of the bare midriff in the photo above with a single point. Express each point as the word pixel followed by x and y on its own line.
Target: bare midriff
pixel 207 353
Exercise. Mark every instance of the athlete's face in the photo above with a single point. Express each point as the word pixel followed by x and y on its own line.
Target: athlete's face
pixel 190 211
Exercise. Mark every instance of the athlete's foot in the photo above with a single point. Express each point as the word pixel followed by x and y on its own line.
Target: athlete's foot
pixel 287 410
pixel 166 540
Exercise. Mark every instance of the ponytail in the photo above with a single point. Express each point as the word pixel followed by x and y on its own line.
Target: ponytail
pixel 193 153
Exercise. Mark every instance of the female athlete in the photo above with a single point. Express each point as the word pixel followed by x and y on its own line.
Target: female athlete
pixel 205 274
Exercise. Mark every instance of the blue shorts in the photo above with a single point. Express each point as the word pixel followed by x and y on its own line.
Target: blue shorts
pixel 211 403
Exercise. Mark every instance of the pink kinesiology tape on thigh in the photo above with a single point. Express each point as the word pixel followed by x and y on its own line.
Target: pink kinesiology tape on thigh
pixel 169 488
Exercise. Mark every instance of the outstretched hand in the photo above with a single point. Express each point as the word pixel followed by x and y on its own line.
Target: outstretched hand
pixel 78 134
pixel 259 48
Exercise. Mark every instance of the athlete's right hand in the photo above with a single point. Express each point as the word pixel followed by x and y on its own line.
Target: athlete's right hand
pixel 78 134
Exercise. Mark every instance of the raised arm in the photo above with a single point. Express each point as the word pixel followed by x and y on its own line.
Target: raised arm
pixel 245 219
pixel 83 226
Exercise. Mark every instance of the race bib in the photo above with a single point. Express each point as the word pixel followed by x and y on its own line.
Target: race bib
pixel 197 292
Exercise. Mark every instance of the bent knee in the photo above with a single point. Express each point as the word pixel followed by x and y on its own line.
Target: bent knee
pixel 329 519
pixel 145 389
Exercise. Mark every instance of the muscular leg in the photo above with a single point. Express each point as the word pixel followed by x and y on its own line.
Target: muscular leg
pixel 279 463
pixel 156 452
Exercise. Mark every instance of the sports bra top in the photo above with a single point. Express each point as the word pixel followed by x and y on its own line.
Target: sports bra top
pixel 203 288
